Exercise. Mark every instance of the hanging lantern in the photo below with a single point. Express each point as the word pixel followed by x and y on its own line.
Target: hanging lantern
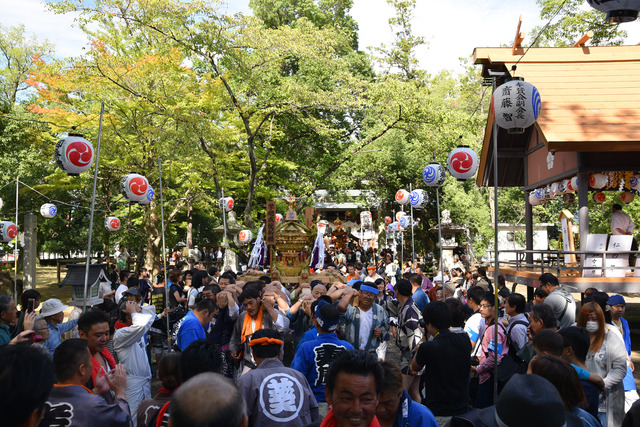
pixel 418 199
pixel 562 187
pixel 387 220
pixel 226 204
pixel 322 226
pixel 634 183
pixel 278 218
pixel 112 223
pixel 627 197
pixel 74 154
pixel 572 185
pixel 245 236
pixel 516 105
pixel 547 193
pixel 48 210
pixel 134 187
pixel 569 198
pixel 393 226
pixel 462 162
pixel 400 215
pixel 597 180
pixel 148 197
pixel 8 231
pixel 555 189
pixel 533 199
pixel 405 222
pixel 365 218
pixel 599 197
pixel 402 197
pixel 617 11
pixel 434 175
pixel 539 193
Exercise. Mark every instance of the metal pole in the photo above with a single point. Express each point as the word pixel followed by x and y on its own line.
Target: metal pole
pixel 164 254
pixel 224 238
pixel 15 249
pixel 93 204
pixel 440 237
pixel 496 252
pixel 413 249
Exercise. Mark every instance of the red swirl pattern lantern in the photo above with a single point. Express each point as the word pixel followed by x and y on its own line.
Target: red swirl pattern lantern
pixel 627 197
pixel 245 236
pixel 599 197
pixel 597 180
pixel 74 154
pixel 278 218
pixel 134 187
pixel 226 204
pixel 402 197
pixel 8 231
pixel 387 220
pixel 572 185
pixel 112 223
pixel 462 162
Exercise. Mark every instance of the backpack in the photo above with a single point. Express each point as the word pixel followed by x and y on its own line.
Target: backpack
pixel 511 364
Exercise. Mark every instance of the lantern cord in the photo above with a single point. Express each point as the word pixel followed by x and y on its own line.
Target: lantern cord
pixel 540 33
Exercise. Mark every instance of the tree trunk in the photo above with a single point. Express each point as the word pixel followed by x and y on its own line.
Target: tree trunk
pixel 189 225
pixel 154 243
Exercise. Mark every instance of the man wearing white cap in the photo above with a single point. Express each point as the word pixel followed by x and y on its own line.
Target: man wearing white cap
pixel 53 312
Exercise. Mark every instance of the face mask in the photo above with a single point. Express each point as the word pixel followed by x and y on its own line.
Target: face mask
pixel 592 326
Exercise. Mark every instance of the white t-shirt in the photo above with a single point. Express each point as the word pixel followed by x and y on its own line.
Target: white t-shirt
pixel 472 327
pixel 119 291
pixel 366 322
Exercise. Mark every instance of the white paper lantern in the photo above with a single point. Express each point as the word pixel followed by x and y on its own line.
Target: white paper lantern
pixel 399 215
pixel 149 196
pixel 516 105
pixel 365 218
pixel 627 197
pixel 387 220
pixel 434 175
pixel 419 199
pixel 278 218
pixel 245 236
pixel 533 199
pixel 402 197
pixel 74 154
pixel 539 192
pixel 48 210
pixel 393 226
pixel 573 184
pixel 555 189
pixel 405 221
pixel 599 197
pixel 563 187
pixel 322 226
pixel 617 11
pixel 634 183
pixel 112 223
pixel 226 204
pixel 597 180
pixel 462 163
pixel 548 195
pixel 8 231
pixel 134 187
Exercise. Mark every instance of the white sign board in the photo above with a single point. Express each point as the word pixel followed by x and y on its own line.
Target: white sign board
pixel 566 240
pixel 618 243
pixel 593 262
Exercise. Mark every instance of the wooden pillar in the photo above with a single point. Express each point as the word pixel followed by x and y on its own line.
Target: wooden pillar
pixel 583 206
pixel 30 252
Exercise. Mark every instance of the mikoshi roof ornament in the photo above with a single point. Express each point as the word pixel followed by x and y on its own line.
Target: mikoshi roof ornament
pixel 516 105
pixel 419 199
pixel 134 187
pixel 112 223
pixel 8 231
pixel 617 11
pixel 74 154
pixel 434 175
pixel 48 210
pixel 226 204
pixel 402 197
pixel 462 162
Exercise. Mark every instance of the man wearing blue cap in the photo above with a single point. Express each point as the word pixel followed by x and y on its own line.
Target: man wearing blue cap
pixel 367 324
pixel 313 357
pixel 618 306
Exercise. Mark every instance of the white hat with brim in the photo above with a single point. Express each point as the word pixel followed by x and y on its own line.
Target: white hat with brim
pixel 52 306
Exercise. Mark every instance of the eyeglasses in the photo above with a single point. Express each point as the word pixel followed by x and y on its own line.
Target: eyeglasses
pixel 485 306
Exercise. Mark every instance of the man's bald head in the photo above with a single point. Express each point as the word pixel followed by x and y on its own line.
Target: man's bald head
pixel 208 400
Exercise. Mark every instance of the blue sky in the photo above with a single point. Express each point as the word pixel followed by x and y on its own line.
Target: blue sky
pixel 452 28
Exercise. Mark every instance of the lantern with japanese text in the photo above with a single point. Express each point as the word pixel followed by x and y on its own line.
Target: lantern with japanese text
pixel 48 210
pixel 112 223
pixel 278 218
pixel 572 185
pixel 8 231
pixel 74 154
pixel 402 197
pixel 599 197
pixel 365 218
pixel 387 220
pixel 597 180
pixel 548 195
pixel 134 187
pixel 634 183
pixel 405 222
pixel 562 187
pixel 148 196
pixel 399 215
pixel 533 199
pixel 516 105
pixel 226 204
pixel 419 198
pixel 245 236
pixel 627 197
pixel 434 175
pixel 462 162
pixel 617 11
pixel 554 186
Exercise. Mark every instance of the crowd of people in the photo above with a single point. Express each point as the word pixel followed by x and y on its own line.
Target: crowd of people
pixel 382 345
